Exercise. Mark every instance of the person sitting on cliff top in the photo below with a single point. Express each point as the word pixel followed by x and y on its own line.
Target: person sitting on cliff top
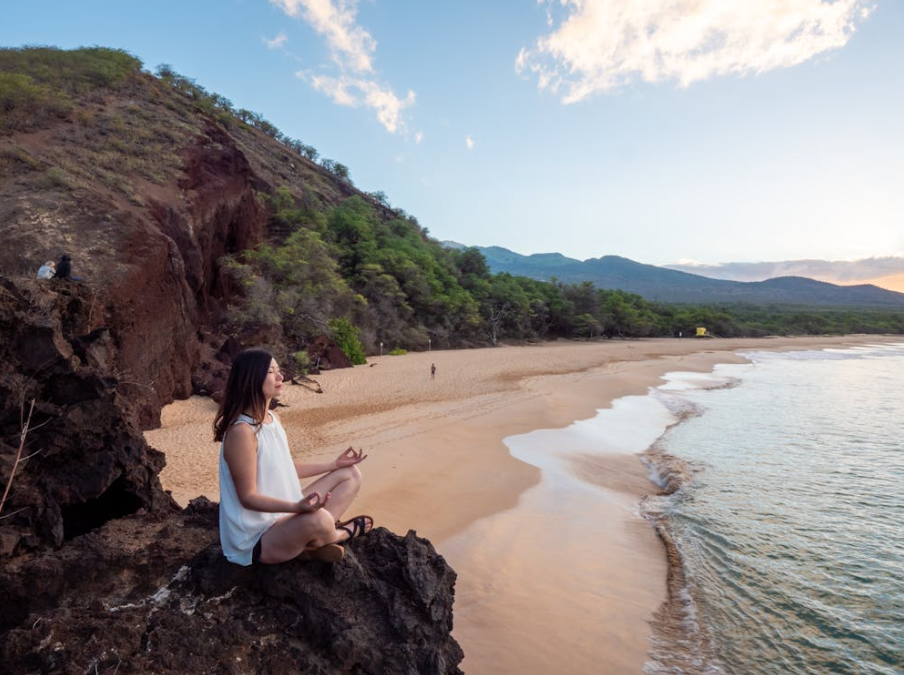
pixel 264 515
pixel 47 270
pixel 64 269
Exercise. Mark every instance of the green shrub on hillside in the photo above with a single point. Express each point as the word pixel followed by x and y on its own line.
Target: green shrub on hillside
pixel 309 289
pixel 256 307
pixel 26 104
pixel 15 160
pixel 409 281
pixel 302 362
pixel 74 71
pixel 346 336
pixel 294 213
pixel 338 169
pixel 37 84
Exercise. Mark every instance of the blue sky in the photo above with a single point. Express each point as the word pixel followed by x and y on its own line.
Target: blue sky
pixel 703 130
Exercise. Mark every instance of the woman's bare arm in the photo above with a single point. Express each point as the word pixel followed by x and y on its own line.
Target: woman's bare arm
pixel 306 470
pixel 240 452
pixel 347 458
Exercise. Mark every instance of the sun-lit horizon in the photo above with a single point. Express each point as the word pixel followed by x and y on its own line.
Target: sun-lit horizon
pixel 892 282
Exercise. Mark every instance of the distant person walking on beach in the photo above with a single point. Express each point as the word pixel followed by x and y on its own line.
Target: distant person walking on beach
pixel 47 270
pixel 432 370
pixel 264 515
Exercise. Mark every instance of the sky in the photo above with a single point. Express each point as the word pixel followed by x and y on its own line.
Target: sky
pixel 687 131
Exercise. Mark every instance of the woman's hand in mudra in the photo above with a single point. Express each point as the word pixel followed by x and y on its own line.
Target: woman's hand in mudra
pixel 312 502
pixel 350 457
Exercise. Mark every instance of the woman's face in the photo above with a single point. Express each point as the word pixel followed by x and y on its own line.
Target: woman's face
pixel 273 383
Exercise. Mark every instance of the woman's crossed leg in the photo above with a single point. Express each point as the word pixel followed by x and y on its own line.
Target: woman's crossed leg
pixel 289 536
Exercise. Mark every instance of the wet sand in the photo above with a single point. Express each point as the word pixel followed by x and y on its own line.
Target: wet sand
pixel 555 572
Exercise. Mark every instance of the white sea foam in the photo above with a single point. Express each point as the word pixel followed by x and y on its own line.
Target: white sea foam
pixel 830 354
pixel 631 425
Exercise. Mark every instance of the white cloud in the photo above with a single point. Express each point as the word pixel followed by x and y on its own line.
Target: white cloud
pixel 355 92
pixel 352 49
pixel 352 46
pixel 688 262
pixel 885 272
pixel 418 137
pixel 864 270
pixel 601 45
pixel 275 42
pixel 469 142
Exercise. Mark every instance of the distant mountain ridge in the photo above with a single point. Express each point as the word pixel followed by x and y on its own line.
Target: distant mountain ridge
pixel 885 272
pixel 672 286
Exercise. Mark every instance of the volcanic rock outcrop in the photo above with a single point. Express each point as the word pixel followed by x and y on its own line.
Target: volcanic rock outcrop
pixel 385 608
pixel 90 462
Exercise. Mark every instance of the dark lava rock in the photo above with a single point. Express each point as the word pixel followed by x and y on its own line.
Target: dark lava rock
pixel 89 461
pixel 169 602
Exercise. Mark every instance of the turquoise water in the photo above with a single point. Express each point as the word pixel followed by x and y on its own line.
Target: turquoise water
pixel 789 519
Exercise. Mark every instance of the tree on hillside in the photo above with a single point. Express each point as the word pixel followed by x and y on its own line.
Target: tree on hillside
pixel 380 197
pixel 350 227
pixel 346 336
pixel 470 261
pixel 339 170
pixel 308 291
pixel 166 72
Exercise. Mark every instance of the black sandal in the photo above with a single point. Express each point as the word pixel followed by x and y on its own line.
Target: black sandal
pixel 358 526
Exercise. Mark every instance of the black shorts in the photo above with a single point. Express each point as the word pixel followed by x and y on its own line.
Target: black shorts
pixel 256 552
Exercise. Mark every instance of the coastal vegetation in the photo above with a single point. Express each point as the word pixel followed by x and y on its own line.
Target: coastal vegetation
pixel 336 260
pixel 397 285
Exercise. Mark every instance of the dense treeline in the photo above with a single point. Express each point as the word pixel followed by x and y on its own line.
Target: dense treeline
pixel 387 278
pixel 401 288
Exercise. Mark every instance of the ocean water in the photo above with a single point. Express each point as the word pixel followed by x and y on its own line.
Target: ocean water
pixel 783 515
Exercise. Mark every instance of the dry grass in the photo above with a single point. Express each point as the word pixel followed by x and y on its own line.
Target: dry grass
pixel 17 461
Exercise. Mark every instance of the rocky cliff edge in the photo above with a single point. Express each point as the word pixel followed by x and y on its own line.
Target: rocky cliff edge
pixel 100 571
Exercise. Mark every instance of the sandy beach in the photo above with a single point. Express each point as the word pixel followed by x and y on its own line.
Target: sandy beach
pixel 557 571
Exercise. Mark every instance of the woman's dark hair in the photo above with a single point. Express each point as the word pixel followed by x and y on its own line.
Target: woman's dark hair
pixel 244 390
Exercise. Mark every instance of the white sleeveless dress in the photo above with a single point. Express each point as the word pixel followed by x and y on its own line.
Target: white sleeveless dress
pixel 241 528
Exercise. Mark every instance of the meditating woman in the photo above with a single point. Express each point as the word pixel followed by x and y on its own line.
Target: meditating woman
pixel 264 516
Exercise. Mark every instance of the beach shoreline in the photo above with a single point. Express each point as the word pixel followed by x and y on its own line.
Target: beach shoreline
pixel 439 465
